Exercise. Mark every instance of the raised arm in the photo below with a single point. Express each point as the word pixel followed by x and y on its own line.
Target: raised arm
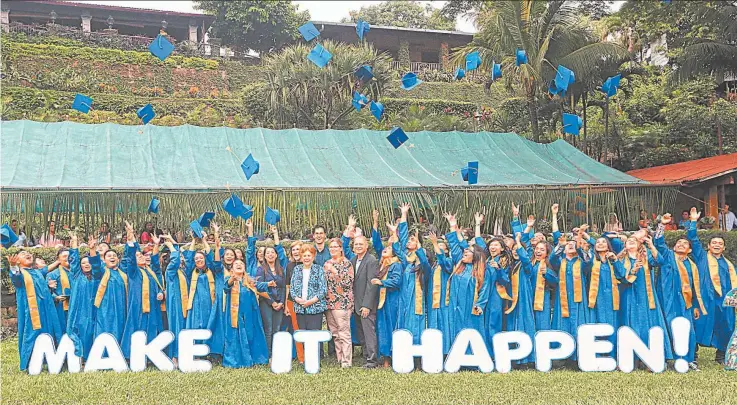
pixel 522 254
pixel 348 234
pixel 75 266
pixel 216 230
pixel 456 243
pixel 697 248
pixel 251 261
pixel 402 227
pixel 376 235
pixel 174 259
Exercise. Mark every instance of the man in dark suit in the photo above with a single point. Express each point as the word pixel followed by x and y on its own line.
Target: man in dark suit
pixel 366 299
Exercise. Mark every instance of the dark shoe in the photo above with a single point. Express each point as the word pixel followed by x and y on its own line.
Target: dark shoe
pixel 370 365
pixel 719 357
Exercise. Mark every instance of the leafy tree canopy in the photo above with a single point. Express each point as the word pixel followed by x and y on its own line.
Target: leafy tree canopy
pixel 262 26
pixel 405 14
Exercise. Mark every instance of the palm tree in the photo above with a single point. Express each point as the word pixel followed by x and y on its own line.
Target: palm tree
pixel 551 33
pixel 301 93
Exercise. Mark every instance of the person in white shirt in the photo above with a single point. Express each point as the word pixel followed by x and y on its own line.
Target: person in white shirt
pixel 727 218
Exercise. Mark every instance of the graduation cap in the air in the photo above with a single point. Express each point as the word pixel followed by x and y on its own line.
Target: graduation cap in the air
pixel 236 209
pixel 521 57
pixel 564 77
pixel 470 173
pixel 359 100
pixel 377 110
pixel 572 123
pixel 496 71
pixel 319 56
pixel 667 2
pixel 146 113
pixel 82 103
pixel 553 89
pixel 611 85
pixel 205 219
pixel 196 228
pixel 364 73
pixel 7 236
pixel 473 61
pixel 272 216
pixel 250 166
pixel 161 47
pixel 308 31
pixel 410 81
pixel 362 27
pixel 153 206
pixel 397 137
pixel 459 74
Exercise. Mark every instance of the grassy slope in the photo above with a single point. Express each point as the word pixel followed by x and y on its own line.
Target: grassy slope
pixel 333 385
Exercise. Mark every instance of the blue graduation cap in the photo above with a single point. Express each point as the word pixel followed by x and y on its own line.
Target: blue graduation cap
pixel 572 123
pixel 82 103
pixel 553 89
pixel 564 77
pixel 319 56
pixel 196 228
pixel 146 113
pixel 160 47
pixel 459 74
pixel 611 85
pixel 7 236
pixel 410 81
pixel 667 2
pixel 308 31
pixel 377 110
pixel 470 173
pixel 359 100
pixel 362 27
pixel 496 71
pixel 250 166
pixel 364 73
pixel 205 219
pixel 153 206
pixel 473 60
pixel 272 216
pixel 397 137
pixel 521 57
pixel 234 206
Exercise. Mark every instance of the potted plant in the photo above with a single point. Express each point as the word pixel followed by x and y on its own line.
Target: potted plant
pixel 707 222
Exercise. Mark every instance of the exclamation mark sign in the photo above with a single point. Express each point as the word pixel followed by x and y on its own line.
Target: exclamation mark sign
pixel 681 334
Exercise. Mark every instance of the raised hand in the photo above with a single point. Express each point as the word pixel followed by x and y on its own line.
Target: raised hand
pixel 666 219
pixel 478 218
pixel 352 221
pixel 404 208
pixel 392 227
pixel 515 210
pixel 13 260
pixel 92 243
pixel 156 239
pixel 695 214
pixel 530 221
pixel 518 238
pixel 433 237
pixel 375 216
pixel 215 228
pixel 554 209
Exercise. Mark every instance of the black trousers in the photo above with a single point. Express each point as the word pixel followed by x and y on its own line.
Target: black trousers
pixel 310 322
pixel 366 328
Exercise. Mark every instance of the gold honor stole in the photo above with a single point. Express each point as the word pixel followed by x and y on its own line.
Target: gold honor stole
pixel 145 303
pixel 436 286
pixel 382 291
pixel 235 300
pixel 686 286
pixel 32 299
pixel 103 285
pixel 193 287
pixel 183 295
pixel 714 273
pixel 412 259
pixel 594 285
pixel 515 290
pixel 475 290
pixel 539 302
pixel 648 282
pixel 64 278
pixel 562 286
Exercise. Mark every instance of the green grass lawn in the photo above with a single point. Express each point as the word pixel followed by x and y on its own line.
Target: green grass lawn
pixel 333 386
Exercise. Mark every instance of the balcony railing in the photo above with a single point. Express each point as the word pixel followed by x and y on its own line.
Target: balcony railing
pixel 112 39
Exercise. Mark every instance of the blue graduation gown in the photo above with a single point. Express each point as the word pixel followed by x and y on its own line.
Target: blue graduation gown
pixel 603 310
pixel 46 311
pixel 673 303
pixel 245 344
pixel 82 311
pixel 634 307
pixel 494 311
pixel 716 328
pixel 579 313
pixel 150 322
pixel 543 319
pixel 386 316
pixel 174 314
pixel 521 318
pixel 439 318
pixel 61 313
pixel 205 312
pixel 114 305
pixel 408 318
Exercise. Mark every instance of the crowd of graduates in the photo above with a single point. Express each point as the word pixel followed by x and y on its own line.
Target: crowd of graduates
pixel 517 282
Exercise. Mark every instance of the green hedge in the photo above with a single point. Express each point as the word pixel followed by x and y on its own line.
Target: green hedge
pixel 457 91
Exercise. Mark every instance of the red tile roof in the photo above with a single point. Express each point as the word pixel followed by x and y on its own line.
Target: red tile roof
pixel 693 171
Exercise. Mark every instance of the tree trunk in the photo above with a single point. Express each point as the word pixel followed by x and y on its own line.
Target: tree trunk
pixel 532 107
pixel 585 144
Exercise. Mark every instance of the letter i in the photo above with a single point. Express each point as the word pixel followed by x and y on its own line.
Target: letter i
pixel 680 327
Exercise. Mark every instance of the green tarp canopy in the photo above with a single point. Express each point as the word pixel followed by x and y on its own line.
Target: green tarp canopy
pixel 70 156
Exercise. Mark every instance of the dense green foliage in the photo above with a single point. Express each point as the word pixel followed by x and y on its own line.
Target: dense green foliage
pixel 405 14
pixel 262 26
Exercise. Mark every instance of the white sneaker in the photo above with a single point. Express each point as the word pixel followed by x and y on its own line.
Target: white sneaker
pixel 693 366
pixel 345 365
